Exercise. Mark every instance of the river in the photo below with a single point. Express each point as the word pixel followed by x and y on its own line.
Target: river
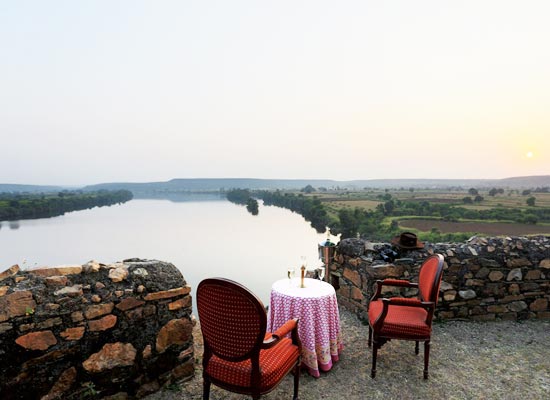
pixel 203 238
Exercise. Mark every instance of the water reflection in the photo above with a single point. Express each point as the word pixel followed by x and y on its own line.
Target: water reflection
pixel 14 224
pixel 202 238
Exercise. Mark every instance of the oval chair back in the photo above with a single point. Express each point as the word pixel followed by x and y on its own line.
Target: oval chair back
pixel 232 332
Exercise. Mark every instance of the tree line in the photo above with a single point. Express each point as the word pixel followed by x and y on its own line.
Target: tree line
pixel 16 206
pixel 311 208
pixel 374 223
pixel 243 197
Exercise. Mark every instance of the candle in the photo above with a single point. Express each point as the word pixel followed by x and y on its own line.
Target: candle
pixel 303 268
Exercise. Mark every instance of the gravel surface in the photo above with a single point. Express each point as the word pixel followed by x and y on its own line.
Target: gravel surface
pixel 468 360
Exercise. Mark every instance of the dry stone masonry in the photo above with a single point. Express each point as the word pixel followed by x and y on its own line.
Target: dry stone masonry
pixel 94 331
pixel 483 278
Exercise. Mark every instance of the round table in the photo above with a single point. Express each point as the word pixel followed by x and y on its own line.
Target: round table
pixel 319 328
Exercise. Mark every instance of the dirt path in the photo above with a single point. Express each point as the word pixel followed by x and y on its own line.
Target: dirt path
pixel 469 360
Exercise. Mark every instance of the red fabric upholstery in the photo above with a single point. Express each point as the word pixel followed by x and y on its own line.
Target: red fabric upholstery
pixel 275 363
pixel 233 323
pixel 401 322
pixel 429 288
pixel 405 318
pixel 232 331
pixel 285 328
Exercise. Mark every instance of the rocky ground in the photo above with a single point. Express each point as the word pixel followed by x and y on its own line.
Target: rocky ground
pixel 469 360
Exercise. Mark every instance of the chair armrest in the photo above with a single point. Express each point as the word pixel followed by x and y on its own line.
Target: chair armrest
pixel 398 282
pixel 390 282
pixel 289 326
pixel 401 301
pixel 286 328
pixel 408 302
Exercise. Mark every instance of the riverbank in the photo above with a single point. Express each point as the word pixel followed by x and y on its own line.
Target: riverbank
pixel 468 360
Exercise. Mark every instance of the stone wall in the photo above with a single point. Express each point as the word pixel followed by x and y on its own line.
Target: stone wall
pixel 94 330
pixel 483 279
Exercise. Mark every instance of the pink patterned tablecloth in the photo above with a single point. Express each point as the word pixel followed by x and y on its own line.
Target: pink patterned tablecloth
pixel 319 327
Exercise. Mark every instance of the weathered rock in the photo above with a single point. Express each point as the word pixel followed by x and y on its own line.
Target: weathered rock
pixel 73 333
pixel 14 269
pixel 351 247
pixel 98 310
pixel 180 303
pixel 495 276
pixel 352 276
pixel 4 327
pixel 518 263
pixel 71 291
pixel 488 263
pixel 129 303
pixel 54 319
pixel 37 340
pixel 539 305
pixel 384 271
pixel 16 304
pixel 545 264
pixel 59 270
pixel 176 331
pixel 356 294
pixel 118 274
pixel 96 298
pixel 140 272
pixel 167 294
pixel 449 295
pixel 110 356
pixel 77 316
pixel 49 323
pixel 515 274
pixel 62 385
pixel 91 267
pixel 102 324
pixel 147 351
pixel 467 294
pixel 56 280
pixel 533 274
pixel 517 306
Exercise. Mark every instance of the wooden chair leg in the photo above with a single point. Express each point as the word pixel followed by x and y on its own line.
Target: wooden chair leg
pixel 416 349
pixel 370 336
pixel 374 354
pixel 205 388
pixel 296 374
pixel 426 358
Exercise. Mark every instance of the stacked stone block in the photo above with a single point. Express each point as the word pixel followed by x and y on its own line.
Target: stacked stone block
pixel 483 279
pixel 94 330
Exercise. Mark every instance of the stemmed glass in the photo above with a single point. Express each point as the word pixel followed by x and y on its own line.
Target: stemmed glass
pixel 321 272
pixel 290 272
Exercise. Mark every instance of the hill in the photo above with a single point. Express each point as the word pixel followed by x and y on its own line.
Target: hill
pixel 16 188
pixel 215 184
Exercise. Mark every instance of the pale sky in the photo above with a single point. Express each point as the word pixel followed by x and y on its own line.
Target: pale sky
pixel 103 91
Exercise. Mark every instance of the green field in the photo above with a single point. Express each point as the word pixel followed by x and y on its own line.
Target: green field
pixel 508 201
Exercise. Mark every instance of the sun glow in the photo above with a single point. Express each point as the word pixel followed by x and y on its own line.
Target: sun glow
pixel 529 154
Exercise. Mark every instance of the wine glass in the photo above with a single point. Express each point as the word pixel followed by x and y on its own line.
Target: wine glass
pixel 290 272
pixel 321 272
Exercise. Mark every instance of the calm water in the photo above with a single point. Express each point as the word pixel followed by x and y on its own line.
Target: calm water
pixel 202 238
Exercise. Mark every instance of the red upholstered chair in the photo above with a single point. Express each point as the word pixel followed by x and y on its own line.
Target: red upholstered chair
pixel 404 318
pixel 239 355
